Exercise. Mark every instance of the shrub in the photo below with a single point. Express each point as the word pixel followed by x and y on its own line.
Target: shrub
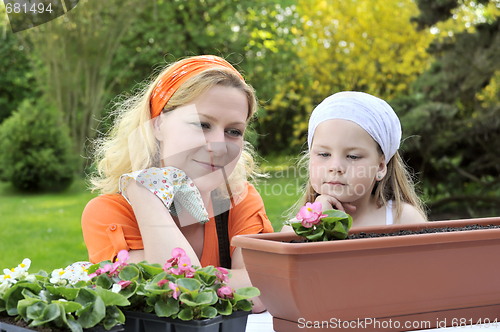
pixel 35 149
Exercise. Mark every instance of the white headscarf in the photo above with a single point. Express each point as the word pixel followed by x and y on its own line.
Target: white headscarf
pixel 373 114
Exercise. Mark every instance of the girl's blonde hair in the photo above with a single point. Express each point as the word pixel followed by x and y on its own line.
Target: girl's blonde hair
pixel 397 185
pixel 131 144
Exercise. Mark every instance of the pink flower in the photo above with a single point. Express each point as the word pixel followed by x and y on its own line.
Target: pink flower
pixel 121 260
pixel 177 253
pixel 175 288
pixel 162 282
pixel 184 266
pixel 310 214
pixel 124 283
pixel 100 271
pixel 225 292
pixel 222 275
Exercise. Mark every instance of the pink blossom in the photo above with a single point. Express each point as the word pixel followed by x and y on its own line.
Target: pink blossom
pixel 222 275
pixel 121 260
pixel 225 292
pixel 124 283
pixel 162 282
pixel 177 253
pixel 184 266
pixel 175 288
pixel 310 214
pixel 100 271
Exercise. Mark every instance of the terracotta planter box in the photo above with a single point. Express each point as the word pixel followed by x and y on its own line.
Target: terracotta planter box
pixel 144 322
pixel 396 283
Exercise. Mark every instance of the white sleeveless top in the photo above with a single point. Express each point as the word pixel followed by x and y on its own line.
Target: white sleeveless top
pixel 388 213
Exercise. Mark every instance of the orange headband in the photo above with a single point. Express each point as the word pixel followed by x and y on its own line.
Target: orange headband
pixel 180 73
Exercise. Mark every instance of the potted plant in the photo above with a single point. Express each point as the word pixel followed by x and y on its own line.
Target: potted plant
pixel 64 300
pixel 176 297
pixel 395 283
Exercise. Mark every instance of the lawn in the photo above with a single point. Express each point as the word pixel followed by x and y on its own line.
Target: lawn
pixel 46 227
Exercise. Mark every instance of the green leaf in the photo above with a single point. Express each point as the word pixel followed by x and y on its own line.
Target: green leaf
pixel 73 324
pixel 207 297
pixel 153 288
pixel 23 305
pixel 208 312
pixel 92 314
pixel 186 314
pixel 14 295
pixel 93 268
pixel 207 269
pixel 104 281
pixel 152 300
pixel 167 309
pixel 129 290
pixel 111 298
pixel 115 313
pixel 69 306
pixel 50 313
pixel 245 305
pixel 48 296
pixel 151 269
pixel 224 307
pixel 205 278
pixel 129 273
pixel 42 274
pixel 81 284
pixel 27 294
pixel 246 293
pixel 113 316
pixel 335 214
pixel 188 285
pixel 67 293
pixel 85 296
pixel 35 310
pixel 159 277
pixel 316 234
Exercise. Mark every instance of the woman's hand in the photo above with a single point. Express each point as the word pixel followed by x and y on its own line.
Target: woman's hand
pixel 329 202
pixel 172 186
pixel 160 234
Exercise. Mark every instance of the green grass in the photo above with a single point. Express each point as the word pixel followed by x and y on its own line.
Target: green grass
pixel 43 227
pixel 47 227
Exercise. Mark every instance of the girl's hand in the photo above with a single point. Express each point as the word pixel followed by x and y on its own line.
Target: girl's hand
pixel 330 202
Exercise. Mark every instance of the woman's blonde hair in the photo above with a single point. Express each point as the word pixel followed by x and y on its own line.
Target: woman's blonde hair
pixel 397 185
pixel 131 144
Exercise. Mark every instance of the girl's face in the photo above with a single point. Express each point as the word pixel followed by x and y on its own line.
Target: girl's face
pixel 202 137
pixel 344 161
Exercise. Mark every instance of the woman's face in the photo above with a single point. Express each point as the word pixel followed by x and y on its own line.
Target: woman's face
pixel 205 138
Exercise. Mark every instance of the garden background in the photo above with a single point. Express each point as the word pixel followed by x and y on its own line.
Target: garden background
pixel 436 62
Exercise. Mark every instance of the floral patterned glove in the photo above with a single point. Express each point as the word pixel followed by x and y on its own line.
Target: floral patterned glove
pixel 167 183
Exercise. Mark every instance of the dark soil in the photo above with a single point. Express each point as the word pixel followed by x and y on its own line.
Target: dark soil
pixel 21 323
pixel 363 235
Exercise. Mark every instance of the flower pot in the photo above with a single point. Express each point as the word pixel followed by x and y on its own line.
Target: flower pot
pixel 436 280
pixel 144 322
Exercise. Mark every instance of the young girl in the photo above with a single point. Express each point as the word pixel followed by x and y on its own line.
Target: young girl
pixel 175 149
pixel 354 164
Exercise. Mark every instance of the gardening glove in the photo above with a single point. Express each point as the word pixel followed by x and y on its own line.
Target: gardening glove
pixel 169 184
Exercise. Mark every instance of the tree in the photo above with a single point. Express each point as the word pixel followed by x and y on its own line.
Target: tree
pixel 454 108
pixel 16 79
pixel 361 45
pixel 76 52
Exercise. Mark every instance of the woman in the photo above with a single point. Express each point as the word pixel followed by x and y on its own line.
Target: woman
pixel 186 126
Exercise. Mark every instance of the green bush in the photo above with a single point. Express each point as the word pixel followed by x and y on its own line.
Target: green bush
pixel 35 149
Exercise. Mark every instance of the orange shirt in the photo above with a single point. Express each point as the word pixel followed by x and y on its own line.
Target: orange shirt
pixel 109 225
